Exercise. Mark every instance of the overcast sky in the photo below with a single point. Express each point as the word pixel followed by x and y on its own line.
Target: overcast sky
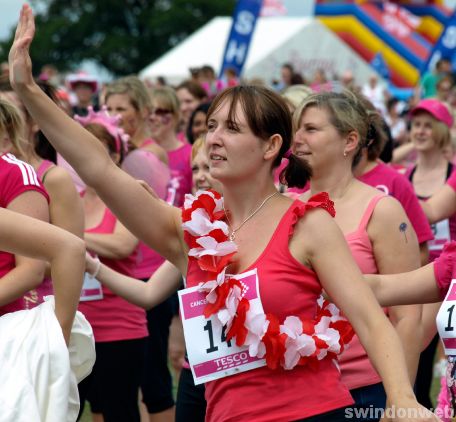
pixel 8 16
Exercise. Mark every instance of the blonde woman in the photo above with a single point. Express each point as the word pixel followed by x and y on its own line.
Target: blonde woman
pixel 332 130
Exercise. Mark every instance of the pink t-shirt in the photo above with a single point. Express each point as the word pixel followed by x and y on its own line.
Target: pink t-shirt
pixel 444 230
pixel 356 369
pixel 16 177
pixel 396 185
pixel 113 318
pixel 181 174
pixel 286 288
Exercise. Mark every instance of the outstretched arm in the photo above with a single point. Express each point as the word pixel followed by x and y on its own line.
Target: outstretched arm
pixel 326 250
pixel 65 207
pixel 159 287
pixel 65 252
pixel 428 284
pixel 418 286
pixel 117 245
pixel 441 205
pixel 155 223
pixel 27 273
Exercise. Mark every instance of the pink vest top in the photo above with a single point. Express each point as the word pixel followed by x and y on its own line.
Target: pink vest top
pixel 355 365
pixel 113 318
pixel 43 169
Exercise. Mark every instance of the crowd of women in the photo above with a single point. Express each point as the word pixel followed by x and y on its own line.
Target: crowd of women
pixel 301 259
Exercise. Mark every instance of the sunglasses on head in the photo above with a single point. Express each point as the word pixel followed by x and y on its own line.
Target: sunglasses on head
pixel 160 111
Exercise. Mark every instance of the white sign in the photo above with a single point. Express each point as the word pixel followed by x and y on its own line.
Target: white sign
pixel 91 289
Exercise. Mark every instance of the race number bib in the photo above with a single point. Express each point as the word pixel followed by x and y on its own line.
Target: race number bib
pixel 210 356
pixel 441 235
pixel 91 289
pixel 446 320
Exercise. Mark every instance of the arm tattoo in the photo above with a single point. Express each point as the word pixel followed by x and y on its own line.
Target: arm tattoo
pixel 403 228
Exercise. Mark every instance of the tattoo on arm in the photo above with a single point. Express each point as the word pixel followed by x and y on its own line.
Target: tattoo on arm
pixel 403 228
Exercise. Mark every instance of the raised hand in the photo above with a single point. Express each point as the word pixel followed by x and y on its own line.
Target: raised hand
pixel 20 64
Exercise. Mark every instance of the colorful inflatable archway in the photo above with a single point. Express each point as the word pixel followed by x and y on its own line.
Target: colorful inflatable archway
pixel 404 36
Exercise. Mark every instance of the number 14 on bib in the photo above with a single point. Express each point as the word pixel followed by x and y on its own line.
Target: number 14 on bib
pixel 210 355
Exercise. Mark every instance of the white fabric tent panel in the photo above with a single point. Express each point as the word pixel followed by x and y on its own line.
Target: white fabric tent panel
pixel 313 47
pixel 302 41
pixel 206 46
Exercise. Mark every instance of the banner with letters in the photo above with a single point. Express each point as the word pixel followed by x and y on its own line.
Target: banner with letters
pixel 236 49
pixel 445 47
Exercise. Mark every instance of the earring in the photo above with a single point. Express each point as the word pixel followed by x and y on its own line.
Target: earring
pixel 345 153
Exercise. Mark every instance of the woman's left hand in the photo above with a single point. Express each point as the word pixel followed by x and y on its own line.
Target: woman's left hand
pixel 20 64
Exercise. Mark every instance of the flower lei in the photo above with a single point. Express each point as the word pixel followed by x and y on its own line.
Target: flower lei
pixel 296 341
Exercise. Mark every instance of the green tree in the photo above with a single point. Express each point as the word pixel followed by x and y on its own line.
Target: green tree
pixel 123 36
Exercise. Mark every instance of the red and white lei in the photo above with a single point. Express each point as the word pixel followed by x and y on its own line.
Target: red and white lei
pixel 295 341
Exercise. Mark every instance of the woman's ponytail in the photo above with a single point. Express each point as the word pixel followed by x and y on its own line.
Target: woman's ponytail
pixel 296 174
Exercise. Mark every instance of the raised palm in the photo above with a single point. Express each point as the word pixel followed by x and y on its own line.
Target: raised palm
pixel 20 64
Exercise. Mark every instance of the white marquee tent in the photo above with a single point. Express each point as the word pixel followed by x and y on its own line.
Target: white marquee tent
pixel 302 41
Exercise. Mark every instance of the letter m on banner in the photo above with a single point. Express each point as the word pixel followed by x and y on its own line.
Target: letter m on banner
pixel 445 47
pixel 237 46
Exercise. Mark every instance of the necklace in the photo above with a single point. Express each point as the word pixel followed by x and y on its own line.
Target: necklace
pixel 233 232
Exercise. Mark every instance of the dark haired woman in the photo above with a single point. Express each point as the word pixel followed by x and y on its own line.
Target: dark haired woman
pixel 289 249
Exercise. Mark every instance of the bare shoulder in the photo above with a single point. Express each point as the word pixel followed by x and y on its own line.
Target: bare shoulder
pixel 388 215
pixel 313 231
pixel 158 151
pixel 388 209
pixel 315 223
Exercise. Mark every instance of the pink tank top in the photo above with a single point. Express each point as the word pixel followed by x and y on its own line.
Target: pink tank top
pixel 286 288
pixel 357 371
pixel 113 318
pixel 181 174
pixel 144 165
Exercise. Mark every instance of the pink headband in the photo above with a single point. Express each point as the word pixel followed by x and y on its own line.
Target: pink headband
pixel 110 123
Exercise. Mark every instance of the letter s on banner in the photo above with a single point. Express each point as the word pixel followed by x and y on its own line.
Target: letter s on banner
pixel 237 46
pixel 245 22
